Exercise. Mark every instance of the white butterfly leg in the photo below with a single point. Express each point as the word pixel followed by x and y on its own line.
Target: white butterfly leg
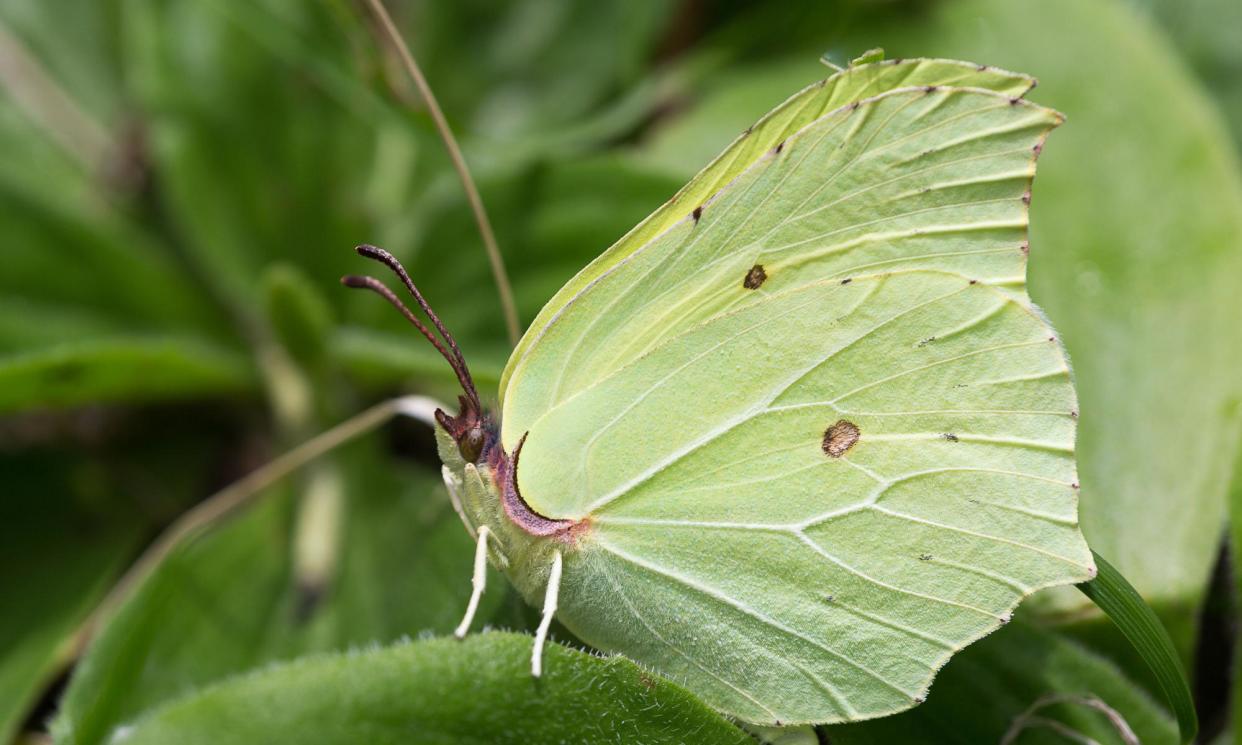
pixel 478 582
pixel 549 609
pixel 450 483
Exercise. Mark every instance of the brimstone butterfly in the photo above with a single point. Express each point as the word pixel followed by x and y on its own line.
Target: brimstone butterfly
pixel 801 434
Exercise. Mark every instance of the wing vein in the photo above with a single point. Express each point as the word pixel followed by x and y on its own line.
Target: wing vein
pixel 620 590
pixel 976 534
pixel 764 619
pixel 890 587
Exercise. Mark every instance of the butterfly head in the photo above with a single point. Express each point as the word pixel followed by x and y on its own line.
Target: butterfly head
pixel 497 501
pixel 472 429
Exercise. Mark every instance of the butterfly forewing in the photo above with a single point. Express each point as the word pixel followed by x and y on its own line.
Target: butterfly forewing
pixel 794 114
pixel 820 436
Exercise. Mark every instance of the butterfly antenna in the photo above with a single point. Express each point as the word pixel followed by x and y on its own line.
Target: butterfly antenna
pixel 455 362
pixel 463 371
pixel 379 288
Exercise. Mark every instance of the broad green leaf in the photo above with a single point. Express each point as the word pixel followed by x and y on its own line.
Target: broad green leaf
pixel 71 515
pixel 202 616
pixel 983 690
pixel 243 190
pixel 91 74
pixel 65 246
pixel 90 311
pixel 337 158
pixel 230 602
pixel 440 691
pixel 119 368
pixel 1208 33
pixel 48 605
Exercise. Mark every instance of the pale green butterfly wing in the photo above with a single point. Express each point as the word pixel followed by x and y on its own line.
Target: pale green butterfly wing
pixel 805 492
pixel 804 107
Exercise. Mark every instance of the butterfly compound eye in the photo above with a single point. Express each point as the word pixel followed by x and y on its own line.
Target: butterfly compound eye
pixel 471 444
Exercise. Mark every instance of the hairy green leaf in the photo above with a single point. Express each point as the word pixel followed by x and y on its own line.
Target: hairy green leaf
pixel 232 601
pixel 440 691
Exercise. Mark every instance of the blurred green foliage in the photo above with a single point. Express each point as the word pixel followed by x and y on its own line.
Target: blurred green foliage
pixel 183 181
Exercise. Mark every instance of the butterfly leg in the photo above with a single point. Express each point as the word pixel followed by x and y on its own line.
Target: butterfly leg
pixel 478 582
pixel 450 483
pixel 549 609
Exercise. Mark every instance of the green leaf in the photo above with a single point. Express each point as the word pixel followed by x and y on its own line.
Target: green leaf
pixel 547 65
pixel 232 600
pixel 982 692
pixel 70 517
pixel 65 246
pixel 119 368
pixel 243 190
pixel 1117 598
pixel 92 307
pixel 1208 33
pixel 440 691
pixel 300 316
pixel 91 74
pixel 53 589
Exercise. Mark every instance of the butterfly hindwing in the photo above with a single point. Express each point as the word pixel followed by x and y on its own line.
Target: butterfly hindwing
pixel 820 436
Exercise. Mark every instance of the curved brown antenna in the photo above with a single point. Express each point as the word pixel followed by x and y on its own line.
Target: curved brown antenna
pixel 454 358
pixel 378 254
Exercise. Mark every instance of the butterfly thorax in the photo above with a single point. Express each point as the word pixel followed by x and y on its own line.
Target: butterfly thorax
pixel 487 494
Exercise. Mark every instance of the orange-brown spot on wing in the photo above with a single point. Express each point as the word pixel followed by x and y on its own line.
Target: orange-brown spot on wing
pixel 839 438
pixel 755 277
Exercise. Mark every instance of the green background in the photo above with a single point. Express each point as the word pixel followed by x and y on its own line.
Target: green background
pixel 182 182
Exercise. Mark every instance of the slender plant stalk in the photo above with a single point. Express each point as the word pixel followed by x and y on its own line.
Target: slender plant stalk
pixel 38 95
pixel 1028 718
pixel 459 162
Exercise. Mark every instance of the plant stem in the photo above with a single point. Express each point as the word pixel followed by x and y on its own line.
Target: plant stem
pixel 463 172
pixel 40 97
